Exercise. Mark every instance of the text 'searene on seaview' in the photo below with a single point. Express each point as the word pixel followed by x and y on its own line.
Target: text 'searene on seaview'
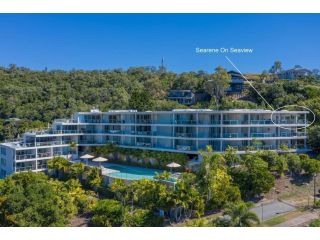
pixel 224 50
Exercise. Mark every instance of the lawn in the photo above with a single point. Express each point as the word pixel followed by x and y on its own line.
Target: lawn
pixel 280 219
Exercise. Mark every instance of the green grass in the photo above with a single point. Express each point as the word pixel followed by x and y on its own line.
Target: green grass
pixel 280 219
pixel 274 221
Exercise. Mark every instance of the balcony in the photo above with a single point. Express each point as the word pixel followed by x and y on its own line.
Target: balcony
pixel 185 147
pixel 262 135
pixel 40 144
pixel 144 121
pixel 185 122
pixel 42 166
pixel 184 134
pixel 288 134
pixel 115 121
pixel 25 156
pixel 90 142
pixel 59 153
pixel 44 155
pixel 144 144
pixel 231 122
pixel 233 135
pixel 114 132
pixel 24 169
pixel 146 133
pixel 64 132
pixel 64 120
pixel 265 121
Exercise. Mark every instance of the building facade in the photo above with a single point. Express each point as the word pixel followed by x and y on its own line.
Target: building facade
pixel 295 73
pixel 236 84
pixel 185 97
pixel 182 130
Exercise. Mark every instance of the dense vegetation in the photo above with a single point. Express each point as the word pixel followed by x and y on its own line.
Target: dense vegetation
pixel 224 182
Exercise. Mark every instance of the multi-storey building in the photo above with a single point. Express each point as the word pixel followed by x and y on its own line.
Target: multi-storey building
pixel 185 131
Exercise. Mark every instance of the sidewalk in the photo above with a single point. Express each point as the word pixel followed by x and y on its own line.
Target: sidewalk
pixel 298 221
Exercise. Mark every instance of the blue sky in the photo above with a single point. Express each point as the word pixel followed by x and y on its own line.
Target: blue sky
pixel 106 41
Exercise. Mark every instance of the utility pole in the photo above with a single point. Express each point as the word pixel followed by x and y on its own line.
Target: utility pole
pixel 314 190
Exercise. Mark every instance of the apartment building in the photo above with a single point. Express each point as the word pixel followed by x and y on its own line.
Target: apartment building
pixel 181 130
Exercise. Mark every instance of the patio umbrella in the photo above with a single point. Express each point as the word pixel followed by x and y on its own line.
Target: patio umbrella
pixel 173 165
pixel 87 156
pixel 99 160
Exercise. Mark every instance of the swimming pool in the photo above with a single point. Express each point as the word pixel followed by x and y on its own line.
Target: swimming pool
pixel 132 173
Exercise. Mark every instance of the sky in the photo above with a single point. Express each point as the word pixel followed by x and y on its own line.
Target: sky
pixel 108 41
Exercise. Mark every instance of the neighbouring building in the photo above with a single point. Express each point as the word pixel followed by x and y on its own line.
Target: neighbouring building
pixel 185 97
pixel 294 73
pixel 236 84
pixel 182 130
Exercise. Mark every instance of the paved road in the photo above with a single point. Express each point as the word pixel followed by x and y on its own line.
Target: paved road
pixel 271 210
pixel 298 221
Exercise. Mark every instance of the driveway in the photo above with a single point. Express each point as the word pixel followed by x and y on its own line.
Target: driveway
pixel 271 210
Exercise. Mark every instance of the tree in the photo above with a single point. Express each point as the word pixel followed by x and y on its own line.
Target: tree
pixel 59 166
pixel 94 177
pixel 107 213
pixel 141 218
pixel 275 162
pixel 314 138
pixel 241 216
pixel 187 195
pixel 214 181
pixel 217 85
pixel 310 166
pixel 254 177
pixel 231 156
pixel 140 100
pixel 294 163
pixel 76 170
pixel 32 199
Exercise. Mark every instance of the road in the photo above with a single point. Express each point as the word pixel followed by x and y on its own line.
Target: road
pixel 272 209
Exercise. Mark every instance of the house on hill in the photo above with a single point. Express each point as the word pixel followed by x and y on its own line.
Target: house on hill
pixel 295 73
pixel 236 85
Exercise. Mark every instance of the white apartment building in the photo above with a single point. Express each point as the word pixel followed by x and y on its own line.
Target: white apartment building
pixel 181 130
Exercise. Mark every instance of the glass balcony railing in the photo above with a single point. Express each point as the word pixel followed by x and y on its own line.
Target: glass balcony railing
pixel 232 135
pixel 25 156
pixel 23 169
pixel 288 134
pixel 265 121
pixel 144 144
pixel 39 144
pixel 42 166
pixel 231 122
pixel 146 133
pixel 64 132
pixel 185 147
pixel 185 122
pixel 256 135
pixel 144 121
pixel 180 134
pixel 44 155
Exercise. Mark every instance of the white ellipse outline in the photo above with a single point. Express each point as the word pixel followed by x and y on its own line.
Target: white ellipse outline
pixel 295 105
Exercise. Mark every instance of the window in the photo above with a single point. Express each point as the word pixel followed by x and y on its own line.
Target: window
pixel 3 173
pixel 3 151
pixel 3 161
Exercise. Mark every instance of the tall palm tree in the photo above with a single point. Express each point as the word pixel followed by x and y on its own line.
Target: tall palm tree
pixel 241 216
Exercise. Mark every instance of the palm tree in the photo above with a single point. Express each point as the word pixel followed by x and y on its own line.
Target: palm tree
pixel 76 170
pixel 241 216
pixel 59 165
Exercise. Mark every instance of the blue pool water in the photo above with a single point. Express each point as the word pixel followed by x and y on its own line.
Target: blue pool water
pixel 131 173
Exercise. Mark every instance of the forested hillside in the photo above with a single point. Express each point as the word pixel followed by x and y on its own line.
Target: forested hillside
pixel 38 97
